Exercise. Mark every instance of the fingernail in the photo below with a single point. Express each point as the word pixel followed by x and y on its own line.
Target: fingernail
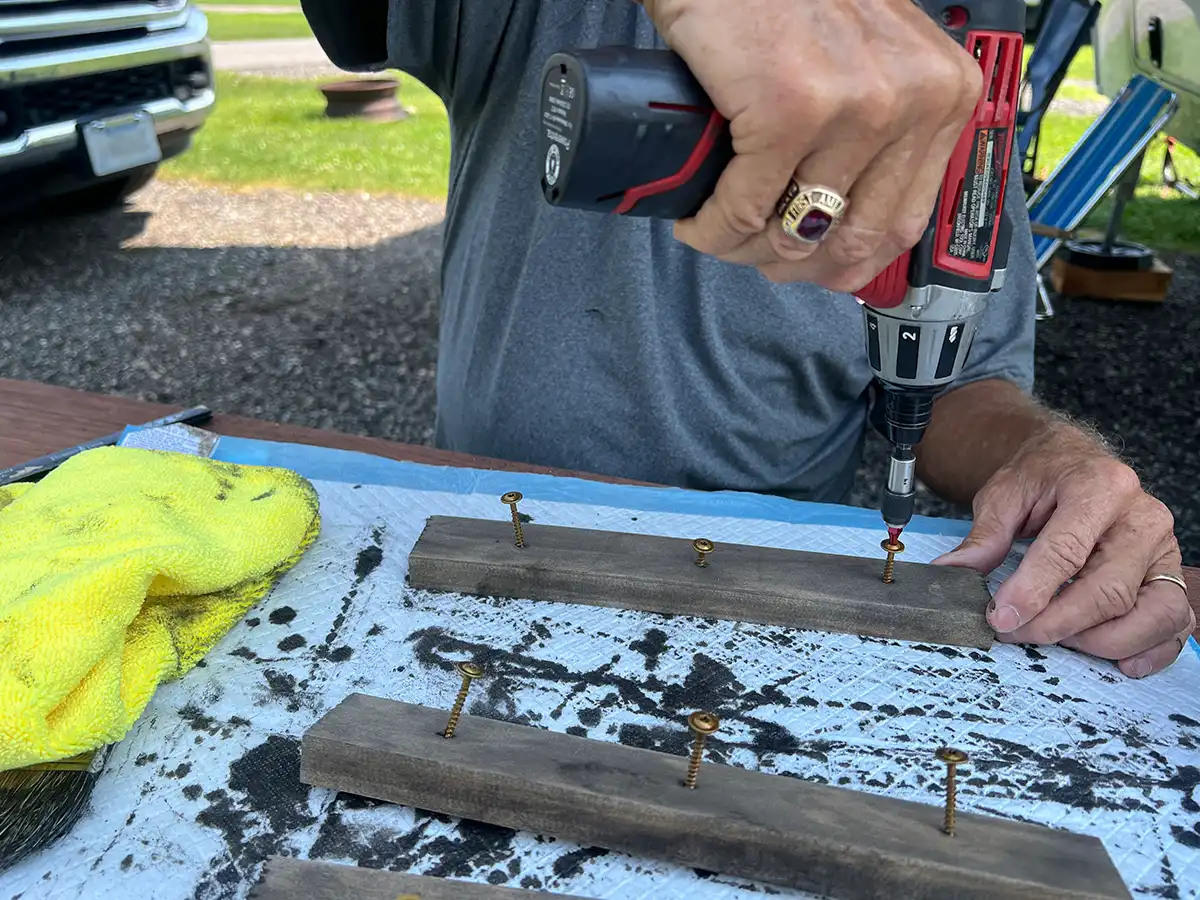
pixel 991 607
pixel 1004 618
pixel 1140 668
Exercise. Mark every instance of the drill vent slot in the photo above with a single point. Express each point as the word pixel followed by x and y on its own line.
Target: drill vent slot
pixel 999 57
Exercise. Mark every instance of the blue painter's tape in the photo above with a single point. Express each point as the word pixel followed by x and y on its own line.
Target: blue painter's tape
pixel 327 464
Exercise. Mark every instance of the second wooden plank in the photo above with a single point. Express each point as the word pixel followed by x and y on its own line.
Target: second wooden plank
pixel 829 840
pixel 764 585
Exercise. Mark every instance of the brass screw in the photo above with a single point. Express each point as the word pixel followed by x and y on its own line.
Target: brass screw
pixel 512 498
pixel 702 724
pixel 952 758
pixel 892 548
pixel 703 547
pixel 469 672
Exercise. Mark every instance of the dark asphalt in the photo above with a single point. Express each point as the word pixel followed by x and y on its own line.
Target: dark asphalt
pixel 258 304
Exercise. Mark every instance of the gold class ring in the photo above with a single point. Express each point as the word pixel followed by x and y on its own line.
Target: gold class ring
pixel 808 212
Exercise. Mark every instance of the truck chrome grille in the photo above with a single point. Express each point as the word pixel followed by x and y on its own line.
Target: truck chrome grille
pixel 46 102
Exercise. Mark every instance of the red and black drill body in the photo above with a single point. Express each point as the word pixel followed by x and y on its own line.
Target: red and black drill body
pixel 632 132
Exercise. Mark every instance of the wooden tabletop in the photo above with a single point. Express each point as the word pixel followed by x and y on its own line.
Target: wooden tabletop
pixel 36 419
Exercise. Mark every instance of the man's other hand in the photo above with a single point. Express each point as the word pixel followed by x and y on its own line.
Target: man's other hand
pixel 867 98
pixel 1097 538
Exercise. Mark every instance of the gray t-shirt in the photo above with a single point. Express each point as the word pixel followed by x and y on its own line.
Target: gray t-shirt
pixel 597 342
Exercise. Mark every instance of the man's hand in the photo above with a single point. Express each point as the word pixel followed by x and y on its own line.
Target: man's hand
pixel 1094 527
pixel 867 98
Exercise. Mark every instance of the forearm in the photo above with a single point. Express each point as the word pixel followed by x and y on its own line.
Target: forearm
pixel 975 430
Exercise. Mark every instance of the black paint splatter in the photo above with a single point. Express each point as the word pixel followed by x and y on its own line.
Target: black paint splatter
pixel 571 864
pixel 197 718
pixel 282 615
pixel 366 562
pixel 651 646
pixel 292 642
pixel 264 805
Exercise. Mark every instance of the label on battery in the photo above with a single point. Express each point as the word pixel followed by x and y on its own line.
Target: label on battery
pixel 558 101
pixel 975 219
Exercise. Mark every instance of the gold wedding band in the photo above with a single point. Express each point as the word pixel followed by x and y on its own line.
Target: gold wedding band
pixel 1163 576
pixel 809 212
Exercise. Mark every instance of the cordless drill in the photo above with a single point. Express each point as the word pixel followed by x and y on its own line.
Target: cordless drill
pixel 631 132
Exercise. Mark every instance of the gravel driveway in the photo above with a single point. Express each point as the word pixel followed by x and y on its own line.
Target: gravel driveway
pixel 321 310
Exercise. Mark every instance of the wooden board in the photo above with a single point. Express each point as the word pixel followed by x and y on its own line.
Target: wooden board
pixel 1149 286
pixel 284 878
pixel 793 588
pixel 827 840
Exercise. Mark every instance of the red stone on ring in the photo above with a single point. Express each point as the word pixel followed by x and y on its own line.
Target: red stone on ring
pixel 813 225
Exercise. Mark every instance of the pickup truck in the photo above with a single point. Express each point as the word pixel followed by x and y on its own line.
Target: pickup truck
pixel 94 94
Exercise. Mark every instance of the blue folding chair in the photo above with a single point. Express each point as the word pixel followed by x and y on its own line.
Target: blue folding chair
pixel 1111 150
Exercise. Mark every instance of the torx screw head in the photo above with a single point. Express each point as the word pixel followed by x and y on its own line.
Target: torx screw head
pixel 703 547
pixel 511 497
pixel 703 722
pixel 890 546
pixel 469 670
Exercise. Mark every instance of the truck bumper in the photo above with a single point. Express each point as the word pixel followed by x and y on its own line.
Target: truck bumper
pixel 166 73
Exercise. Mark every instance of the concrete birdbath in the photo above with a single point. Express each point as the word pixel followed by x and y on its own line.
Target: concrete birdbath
pixel 373 99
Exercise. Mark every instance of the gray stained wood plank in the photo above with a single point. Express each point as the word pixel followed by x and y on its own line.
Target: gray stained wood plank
pixel 285 878
pixel 827 840
pixel 764 585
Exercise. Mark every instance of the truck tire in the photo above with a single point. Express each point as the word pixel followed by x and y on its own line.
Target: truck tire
pixel 98 197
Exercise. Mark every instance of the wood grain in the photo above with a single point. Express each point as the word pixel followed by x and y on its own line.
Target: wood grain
pixel 764 585
pixel 285 878
pixel 828 840
pixel 36 419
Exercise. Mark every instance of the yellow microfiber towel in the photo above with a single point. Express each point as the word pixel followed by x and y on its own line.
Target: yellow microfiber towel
pixel 119 571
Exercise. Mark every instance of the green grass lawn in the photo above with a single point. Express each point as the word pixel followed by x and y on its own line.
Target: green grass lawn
pixel 1082 68
pixel 256 26
pixel 271 132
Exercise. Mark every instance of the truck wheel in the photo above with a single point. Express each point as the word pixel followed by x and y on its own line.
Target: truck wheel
pixel 99 197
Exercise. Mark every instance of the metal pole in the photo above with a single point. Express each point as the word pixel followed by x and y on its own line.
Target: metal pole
pixel 1121 196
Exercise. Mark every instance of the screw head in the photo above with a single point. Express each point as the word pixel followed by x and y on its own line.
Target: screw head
pixel 890 547
pixel 951 755
pixel 703 722
pixel 702 545
pixel 469 669
pixel 511 497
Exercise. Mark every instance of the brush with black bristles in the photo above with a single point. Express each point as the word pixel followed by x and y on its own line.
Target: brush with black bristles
pixel 41 803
